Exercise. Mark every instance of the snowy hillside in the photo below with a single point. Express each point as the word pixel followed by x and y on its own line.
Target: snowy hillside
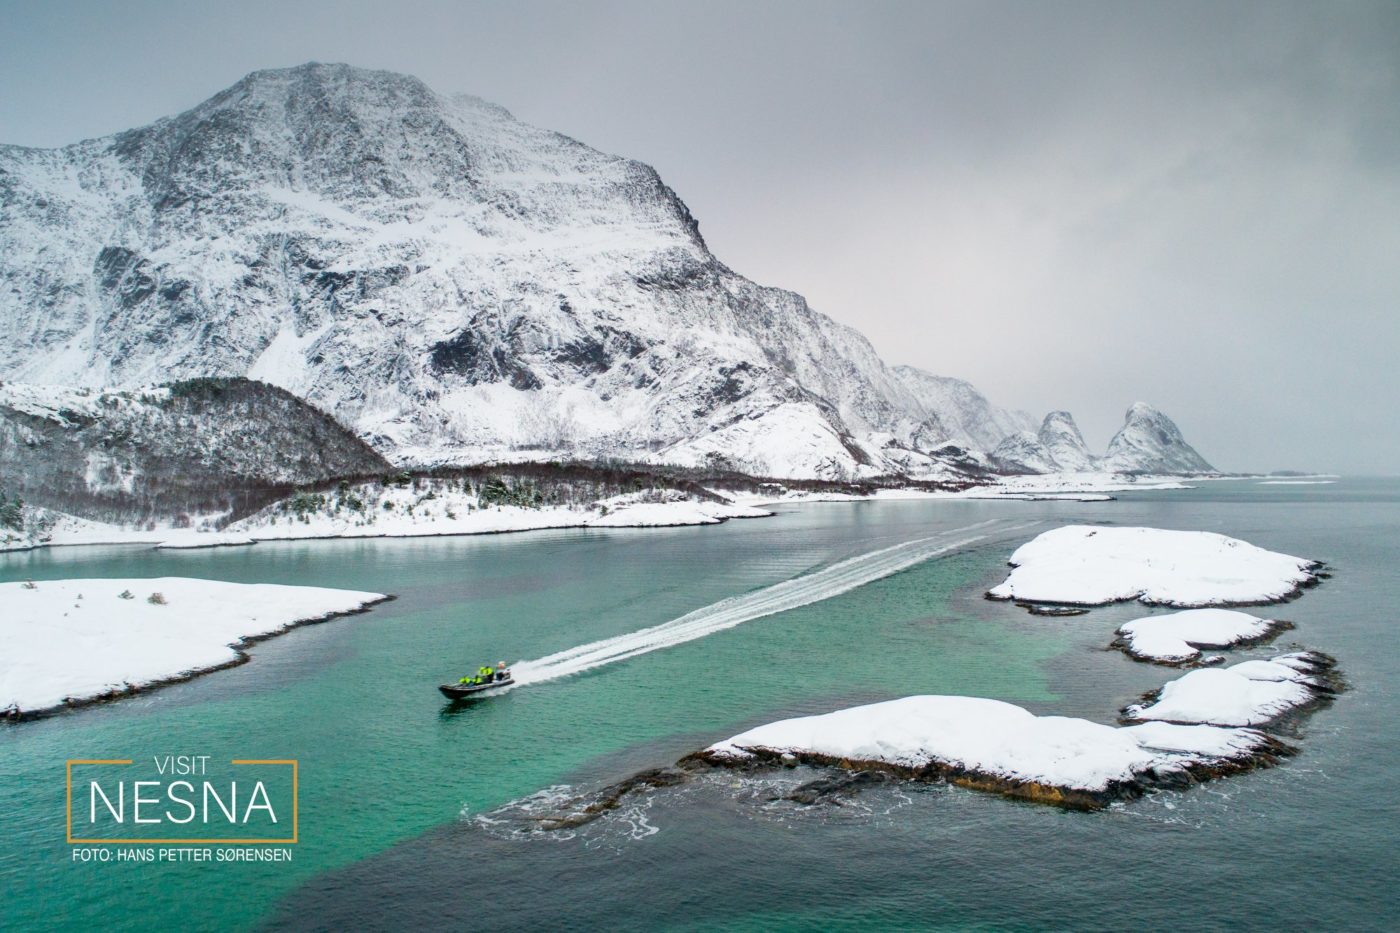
pixel 452 284
pixel 963 414
pixel 197 447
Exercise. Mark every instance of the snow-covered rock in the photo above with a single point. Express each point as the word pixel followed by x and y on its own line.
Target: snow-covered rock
pixel 1248 694
pixel 69 641
pixel 1179 636
pixel 1150 442
pixel 1064 445
pixel 993 745
pixel 1094 565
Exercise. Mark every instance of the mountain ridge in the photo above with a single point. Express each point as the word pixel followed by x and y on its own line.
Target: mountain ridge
pixel 453 284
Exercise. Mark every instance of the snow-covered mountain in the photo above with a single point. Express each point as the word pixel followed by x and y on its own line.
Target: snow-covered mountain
pixel 965 414
pixel 1057 447
pixel 1022 452
pixel 1064 445
pixel 1150 442
pixel 453 284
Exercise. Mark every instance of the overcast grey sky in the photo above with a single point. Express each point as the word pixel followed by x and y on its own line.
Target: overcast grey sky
pixel 1074 205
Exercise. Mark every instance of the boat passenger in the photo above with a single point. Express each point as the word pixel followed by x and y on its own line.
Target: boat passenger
pixel 502 672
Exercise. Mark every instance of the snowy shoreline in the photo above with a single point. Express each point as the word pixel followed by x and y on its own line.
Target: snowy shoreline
pixel 71 643
pixel 448 516
pixel 505 520
pixel 989 745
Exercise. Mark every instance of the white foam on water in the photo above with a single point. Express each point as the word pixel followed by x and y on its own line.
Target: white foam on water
pixel 819 585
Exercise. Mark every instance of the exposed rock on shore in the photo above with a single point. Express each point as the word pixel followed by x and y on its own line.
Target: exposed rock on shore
pixel 994 746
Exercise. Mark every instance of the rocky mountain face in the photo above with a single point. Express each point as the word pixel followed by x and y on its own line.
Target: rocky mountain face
pixel 201 447
pixel 1064 445
pixel 1057 447
pixel 962 413
pixel 1150 442
pixel 452 284
pixel 1022 452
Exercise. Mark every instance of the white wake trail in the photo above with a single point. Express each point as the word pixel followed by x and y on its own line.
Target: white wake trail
pixel 790 594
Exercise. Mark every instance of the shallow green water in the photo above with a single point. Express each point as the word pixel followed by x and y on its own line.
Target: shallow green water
pixel 384 760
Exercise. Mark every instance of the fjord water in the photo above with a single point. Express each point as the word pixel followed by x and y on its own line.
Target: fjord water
pixel 393 779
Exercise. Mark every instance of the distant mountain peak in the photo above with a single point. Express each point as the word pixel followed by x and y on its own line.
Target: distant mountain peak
pixel 1150 442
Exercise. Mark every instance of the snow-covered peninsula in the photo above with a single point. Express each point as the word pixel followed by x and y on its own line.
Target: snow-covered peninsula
pixel 69 642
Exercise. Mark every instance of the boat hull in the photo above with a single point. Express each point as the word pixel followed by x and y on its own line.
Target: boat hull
pixel 463 691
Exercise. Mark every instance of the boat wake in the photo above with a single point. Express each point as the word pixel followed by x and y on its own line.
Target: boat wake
pixel 790 594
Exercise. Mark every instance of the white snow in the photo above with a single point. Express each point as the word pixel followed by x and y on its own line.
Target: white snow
pixel 410 515
pixel 1179 636
pixel 1092 482
pixel 993 738
pixel 190 540
pixel 1211 742
pixel 683 512
pixel 81 639
pixel 1089 565
pixel 1246 694
pixel 405 512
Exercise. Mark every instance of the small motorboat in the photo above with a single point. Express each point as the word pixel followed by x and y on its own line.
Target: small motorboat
pixel 460 691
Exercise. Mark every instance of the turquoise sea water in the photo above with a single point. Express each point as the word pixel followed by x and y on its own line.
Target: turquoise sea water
pixel 393 778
